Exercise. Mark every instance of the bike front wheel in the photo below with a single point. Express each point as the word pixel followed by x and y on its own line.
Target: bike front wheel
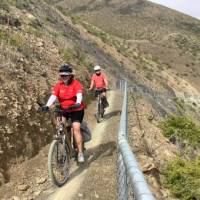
pixel 102 110
pixel 98 115
pixel 58 163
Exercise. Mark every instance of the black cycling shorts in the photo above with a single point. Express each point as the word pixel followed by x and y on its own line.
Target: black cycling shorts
pixel 99 91
pixel 76 116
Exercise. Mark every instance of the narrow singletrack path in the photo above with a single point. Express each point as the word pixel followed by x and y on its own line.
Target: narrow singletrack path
pixel 95 179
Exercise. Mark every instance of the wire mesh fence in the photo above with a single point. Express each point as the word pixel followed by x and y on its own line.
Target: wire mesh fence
pixel 131 182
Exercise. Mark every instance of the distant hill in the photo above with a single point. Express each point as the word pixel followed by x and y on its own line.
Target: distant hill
pixel 171 38
pixel 133 19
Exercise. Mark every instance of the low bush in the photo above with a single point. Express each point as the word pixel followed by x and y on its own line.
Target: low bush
pixel 2 35
pixel 182 178
pixel 66 54
pixel 4 4
pixel 183 128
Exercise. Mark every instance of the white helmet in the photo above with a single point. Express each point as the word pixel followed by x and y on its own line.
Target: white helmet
pixel 97 67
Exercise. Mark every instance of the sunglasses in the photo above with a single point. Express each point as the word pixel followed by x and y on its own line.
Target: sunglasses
pixel 64 76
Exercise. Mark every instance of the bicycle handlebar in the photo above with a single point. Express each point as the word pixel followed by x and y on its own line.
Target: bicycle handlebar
pixel 101 89
pixel 43 108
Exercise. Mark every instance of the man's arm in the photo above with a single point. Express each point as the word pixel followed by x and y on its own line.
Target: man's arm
pixel 106 82
pixel 79 98
pixel 51 100
pixel 91 84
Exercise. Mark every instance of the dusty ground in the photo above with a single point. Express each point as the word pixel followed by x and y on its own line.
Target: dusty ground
pixel 94 180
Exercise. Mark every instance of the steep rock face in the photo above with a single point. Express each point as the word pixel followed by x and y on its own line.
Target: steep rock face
pixel 21 132
pixel 32 47
pixel 30 58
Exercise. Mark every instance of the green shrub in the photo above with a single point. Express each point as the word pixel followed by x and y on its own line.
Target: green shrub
pixel 35 31
pixel 66 54
pixel 62 10
pixel 182 178
pixel 4 4
pixel 28 51
pixel 179 103
pixel 89 65
pixel 79 54
pixel 51 19
pixel 13 39
pixel 149 76
pixel 16 40
pixel 183 128
pixel 2 35
pixel 75 19
pixel 98 32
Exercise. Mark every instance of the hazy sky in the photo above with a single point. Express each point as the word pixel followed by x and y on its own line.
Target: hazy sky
pixel 189 7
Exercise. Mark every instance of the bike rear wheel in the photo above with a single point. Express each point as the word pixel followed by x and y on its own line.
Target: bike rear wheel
pixel 58 163
pixel 98 115
pixel 102 109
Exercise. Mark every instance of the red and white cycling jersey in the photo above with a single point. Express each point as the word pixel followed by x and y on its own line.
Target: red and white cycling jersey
pixel 99 81
pixel 66 94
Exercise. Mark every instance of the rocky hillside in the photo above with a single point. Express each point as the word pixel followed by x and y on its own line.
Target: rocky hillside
pixel 149 33
pixel 156 49
pixel 35 39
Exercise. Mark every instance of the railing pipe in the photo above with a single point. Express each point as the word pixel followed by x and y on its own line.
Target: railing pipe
pixel 127 165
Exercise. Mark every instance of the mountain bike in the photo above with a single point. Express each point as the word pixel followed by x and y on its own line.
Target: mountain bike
pixel 62 150
pixel 100 108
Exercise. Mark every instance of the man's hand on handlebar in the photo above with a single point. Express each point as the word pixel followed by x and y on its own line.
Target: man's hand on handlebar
pixel 45 108
pixel 58 110
pixel 77 105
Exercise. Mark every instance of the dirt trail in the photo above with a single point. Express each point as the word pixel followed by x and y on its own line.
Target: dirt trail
pixel 96 178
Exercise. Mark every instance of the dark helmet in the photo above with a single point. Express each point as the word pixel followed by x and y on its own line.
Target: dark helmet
pixel 65 69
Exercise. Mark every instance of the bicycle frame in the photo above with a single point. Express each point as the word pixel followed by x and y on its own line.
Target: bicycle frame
pixel 66 138
pixel 100 108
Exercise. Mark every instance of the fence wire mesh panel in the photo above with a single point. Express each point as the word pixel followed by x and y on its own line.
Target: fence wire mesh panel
pixel 122 178
pixel 131 195
pixel 131 182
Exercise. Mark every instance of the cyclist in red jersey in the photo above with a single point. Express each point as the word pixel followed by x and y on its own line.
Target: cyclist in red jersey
pixel 99 80
pixel 69 93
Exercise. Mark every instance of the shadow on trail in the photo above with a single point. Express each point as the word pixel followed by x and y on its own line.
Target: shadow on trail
pixel 112 114
pixel 92 154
